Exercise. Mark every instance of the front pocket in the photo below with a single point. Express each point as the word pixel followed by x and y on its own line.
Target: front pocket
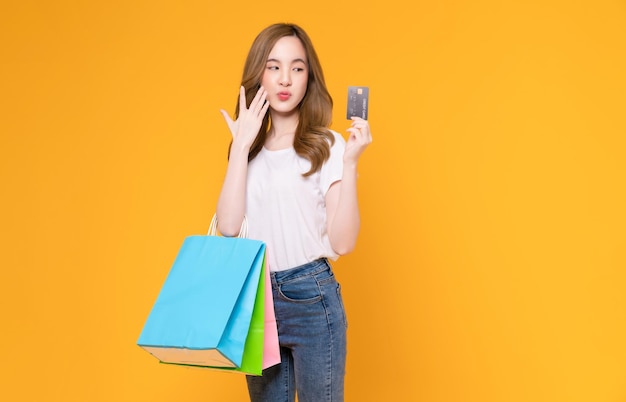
pixel 343 309
pixel 303 290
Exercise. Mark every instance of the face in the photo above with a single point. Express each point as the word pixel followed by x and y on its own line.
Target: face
pixel 286 75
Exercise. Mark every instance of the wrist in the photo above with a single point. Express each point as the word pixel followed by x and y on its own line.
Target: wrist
pixel 350 165
pixel 239 150
pixel 350 170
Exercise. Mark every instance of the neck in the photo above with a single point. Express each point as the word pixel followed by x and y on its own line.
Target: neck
pixel 283 125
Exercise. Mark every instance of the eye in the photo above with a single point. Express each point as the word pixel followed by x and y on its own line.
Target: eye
pixel 298 69
pixel 272 67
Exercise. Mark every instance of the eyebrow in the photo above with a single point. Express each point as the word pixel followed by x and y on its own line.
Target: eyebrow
pixel 293 61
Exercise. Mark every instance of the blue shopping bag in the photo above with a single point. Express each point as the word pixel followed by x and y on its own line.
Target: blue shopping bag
pixel 203 313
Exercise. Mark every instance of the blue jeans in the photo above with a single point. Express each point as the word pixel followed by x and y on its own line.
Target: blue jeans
pixel 312 335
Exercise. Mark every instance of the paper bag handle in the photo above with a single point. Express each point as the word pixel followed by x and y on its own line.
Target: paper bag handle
pixel 243 232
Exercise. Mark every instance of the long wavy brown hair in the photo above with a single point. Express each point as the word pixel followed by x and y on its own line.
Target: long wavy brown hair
pixel 312 138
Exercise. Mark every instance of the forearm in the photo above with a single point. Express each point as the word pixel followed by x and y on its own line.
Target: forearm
pixel 231 204
pixel 346 222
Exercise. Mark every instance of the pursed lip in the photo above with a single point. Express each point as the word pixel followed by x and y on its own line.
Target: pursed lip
pixel 284 95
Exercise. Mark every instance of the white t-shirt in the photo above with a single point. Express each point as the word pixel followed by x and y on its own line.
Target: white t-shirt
pixel 286 210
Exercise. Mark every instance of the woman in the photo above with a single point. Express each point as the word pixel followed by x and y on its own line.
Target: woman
pixel 295 181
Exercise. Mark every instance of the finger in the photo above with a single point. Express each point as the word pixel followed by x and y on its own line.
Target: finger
pixel 360 136
pixel 226 116
pixel 266 106
pixel 259 94
pixel 242 98
pixel 360 127
pixel 357 119
pixel 259 99
pixel 363 127
pixel 354 133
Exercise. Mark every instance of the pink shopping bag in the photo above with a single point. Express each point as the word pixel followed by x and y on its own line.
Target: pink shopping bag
pixel 271 351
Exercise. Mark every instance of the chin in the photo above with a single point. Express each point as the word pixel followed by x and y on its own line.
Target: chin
pixel 284 109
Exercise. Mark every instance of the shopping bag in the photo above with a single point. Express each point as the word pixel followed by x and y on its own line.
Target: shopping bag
pixel 210 311
pixel 271 349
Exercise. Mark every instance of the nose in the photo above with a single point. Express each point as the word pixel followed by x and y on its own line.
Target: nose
pixel 285 78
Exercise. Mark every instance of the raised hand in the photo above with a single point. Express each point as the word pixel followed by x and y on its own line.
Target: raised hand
pixel 245 129
pixel 360 138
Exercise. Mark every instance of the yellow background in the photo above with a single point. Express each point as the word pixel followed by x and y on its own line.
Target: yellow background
pixel 491 263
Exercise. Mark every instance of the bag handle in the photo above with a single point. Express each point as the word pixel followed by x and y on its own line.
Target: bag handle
pixel 243 232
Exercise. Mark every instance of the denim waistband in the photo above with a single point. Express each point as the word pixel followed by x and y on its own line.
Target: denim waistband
pixel 310 268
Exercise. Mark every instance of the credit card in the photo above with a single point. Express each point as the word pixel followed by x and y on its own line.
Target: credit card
pixel 358 102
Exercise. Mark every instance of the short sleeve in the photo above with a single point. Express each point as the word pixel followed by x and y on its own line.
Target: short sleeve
pixel 332 169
